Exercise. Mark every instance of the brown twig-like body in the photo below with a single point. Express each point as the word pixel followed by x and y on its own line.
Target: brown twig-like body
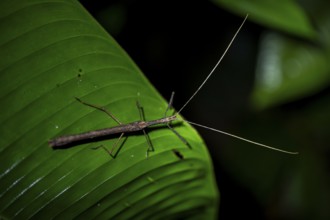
pixel 122 128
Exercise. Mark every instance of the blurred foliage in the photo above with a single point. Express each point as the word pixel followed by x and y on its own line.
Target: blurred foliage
pixel 284 15
pixel 288 68
pixel 292 78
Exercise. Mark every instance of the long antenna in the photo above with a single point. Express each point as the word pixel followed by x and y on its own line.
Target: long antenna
pixel 200 87
pixel 240 138
pixel 216 65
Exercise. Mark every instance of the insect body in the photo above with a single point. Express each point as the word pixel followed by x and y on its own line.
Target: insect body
pixel 122 128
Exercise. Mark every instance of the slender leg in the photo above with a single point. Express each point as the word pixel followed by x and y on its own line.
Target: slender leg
pixel 141 111
pixel 101 109
pixel 116 143
pixel 178 135
pixel 168 124
pixel 150 147
pixel 110 152
pixel 105 149
pixel 142 118
pixel 169 104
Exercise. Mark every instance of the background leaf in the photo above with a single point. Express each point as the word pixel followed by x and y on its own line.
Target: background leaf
pixel 284 15
pixel 51 52
pixel 288 70
pixel 290 96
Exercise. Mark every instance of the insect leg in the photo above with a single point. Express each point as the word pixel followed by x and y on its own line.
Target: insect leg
pixel 105 149
pixel 141 111
pixel 115 145
pixel 142 117
pixel 150 146
pixel 178 135
pixel 169 125
pixel 99 108
pixel 110 152
pixel 169 104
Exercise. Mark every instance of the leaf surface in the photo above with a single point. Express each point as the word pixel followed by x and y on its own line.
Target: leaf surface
pixel 51 52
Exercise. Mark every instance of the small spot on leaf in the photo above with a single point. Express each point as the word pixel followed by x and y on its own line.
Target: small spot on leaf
pixel 178 154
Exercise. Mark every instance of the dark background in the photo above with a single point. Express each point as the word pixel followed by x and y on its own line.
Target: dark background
pixel 176 44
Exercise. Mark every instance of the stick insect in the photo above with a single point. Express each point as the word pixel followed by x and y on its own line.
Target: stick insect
pixel 142 124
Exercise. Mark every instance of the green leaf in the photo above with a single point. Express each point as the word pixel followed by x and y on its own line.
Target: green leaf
pixel 284 15
pixel 288 70
pixel 51 52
